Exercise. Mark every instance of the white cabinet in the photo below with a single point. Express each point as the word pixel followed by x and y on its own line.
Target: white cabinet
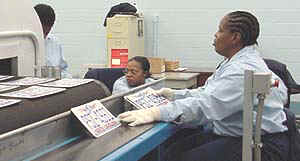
pixel 125 39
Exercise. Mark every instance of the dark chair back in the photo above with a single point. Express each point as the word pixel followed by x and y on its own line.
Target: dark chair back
pixel 281 71
pixel 106 75
pixel 294 135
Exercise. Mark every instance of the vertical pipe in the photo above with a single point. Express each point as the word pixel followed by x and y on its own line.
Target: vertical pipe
pixel 247 116
pixel 257 138
pixel 155 35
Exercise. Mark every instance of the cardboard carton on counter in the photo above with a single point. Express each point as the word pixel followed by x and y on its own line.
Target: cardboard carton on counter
pixel 157 65
pixel 171 65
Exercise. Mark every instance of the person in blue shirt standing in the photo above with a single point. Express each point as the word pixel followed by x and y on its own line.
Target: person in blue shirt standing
pixel 220 101
pixel 54 55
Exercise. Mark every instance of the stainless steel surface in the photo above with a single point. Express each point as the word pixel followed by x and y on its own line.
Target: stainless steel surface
pixel 29 111
pixel 91 149
pixel 247 116
pixel 257 137
pixel 34 141
pixel 30 35
pixel 38 124
pixel 30 142
pixel 88 149
pixel 260 84
pixel 34 125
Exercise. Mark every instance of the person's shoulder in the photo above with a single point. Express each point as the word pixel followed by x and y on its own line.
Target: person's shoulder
pixel 249 60
pixel 233 68
pixel 150 79
pixel 120 85
pixel 121 80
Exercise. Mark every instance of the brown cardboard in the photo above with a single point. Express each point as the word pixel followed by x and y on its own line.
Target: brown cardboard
pixel 171 65
pixel 157 65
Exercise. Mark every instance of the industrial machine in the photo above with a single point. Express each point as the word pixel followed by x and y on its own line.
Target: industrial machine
pixel 45 129
pixel 21 39
pixel 125 39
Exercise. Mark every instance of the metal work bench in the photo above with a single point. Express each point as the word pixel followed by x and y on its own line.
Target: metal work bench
pixel 60 137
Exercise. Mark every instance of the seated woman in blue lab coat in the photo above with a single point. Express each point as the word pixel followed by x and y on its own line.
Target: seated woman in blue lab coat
pixel 137 73
pixel 220 102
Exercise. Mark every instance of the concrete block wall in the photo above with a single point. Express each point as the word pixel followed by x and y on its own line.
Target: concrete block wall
pixel 184 30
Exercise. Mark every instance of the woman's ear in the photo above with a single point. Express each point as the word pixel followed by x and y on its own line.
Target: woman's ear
pixel 237 38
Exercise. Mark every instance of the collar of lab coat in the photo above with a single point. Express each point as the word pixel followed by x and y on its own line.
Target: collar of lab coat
pixel 242 52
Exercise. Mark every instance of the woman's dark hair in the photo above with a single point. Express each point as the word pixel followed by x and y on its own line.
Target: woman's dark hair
pixel 246 24
pixel 46 14
pixel 144 64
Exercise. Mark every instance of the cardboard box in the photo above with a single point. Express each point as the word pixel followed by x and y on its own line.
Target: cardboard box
pixel 171 65
pixel 157 65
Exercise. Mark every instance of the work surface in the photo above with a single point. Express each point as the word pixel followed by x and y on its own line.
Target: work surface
pixel 178 80
pixel 176 75
pixel 32 110
pixel 88 149
pixel 189 78
pixel 64 139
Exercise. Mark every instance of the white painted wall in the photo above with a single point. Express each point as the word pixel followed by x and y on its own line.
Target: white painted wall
pixel 185 30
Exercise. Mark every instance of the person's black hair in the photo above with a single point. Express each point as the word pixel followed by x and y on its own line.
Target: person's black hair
pixel 246 24
pixel 144 62
pixel 46 14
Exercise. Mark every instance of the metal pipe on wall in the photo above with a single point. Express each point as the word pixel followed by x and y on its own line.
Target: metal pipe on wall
pixel 32 36
pixel 155 36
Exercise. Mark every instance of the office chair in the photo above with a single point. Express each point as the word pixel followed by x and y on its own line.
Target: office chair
pixel 108 76
pixel 281 70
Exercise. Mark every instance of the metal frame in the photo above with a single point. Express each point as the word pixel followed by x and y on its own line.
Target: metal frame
pixel 65 114
pixel 247 116
pixel 32 36
pixel 37 139
pixel 260 84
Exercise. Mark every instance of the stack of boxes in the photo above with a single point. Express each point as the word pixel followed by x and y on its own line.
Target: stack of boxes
pixel 157 65
pixel 160 65
pixel 171 65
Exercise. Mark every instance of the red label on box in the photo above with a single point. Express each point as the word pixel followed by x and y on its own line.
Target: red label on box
pixel 119 58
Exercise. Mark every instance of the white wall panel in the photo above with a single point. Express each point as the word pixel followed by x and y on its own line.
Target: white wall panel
pixel 185 29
